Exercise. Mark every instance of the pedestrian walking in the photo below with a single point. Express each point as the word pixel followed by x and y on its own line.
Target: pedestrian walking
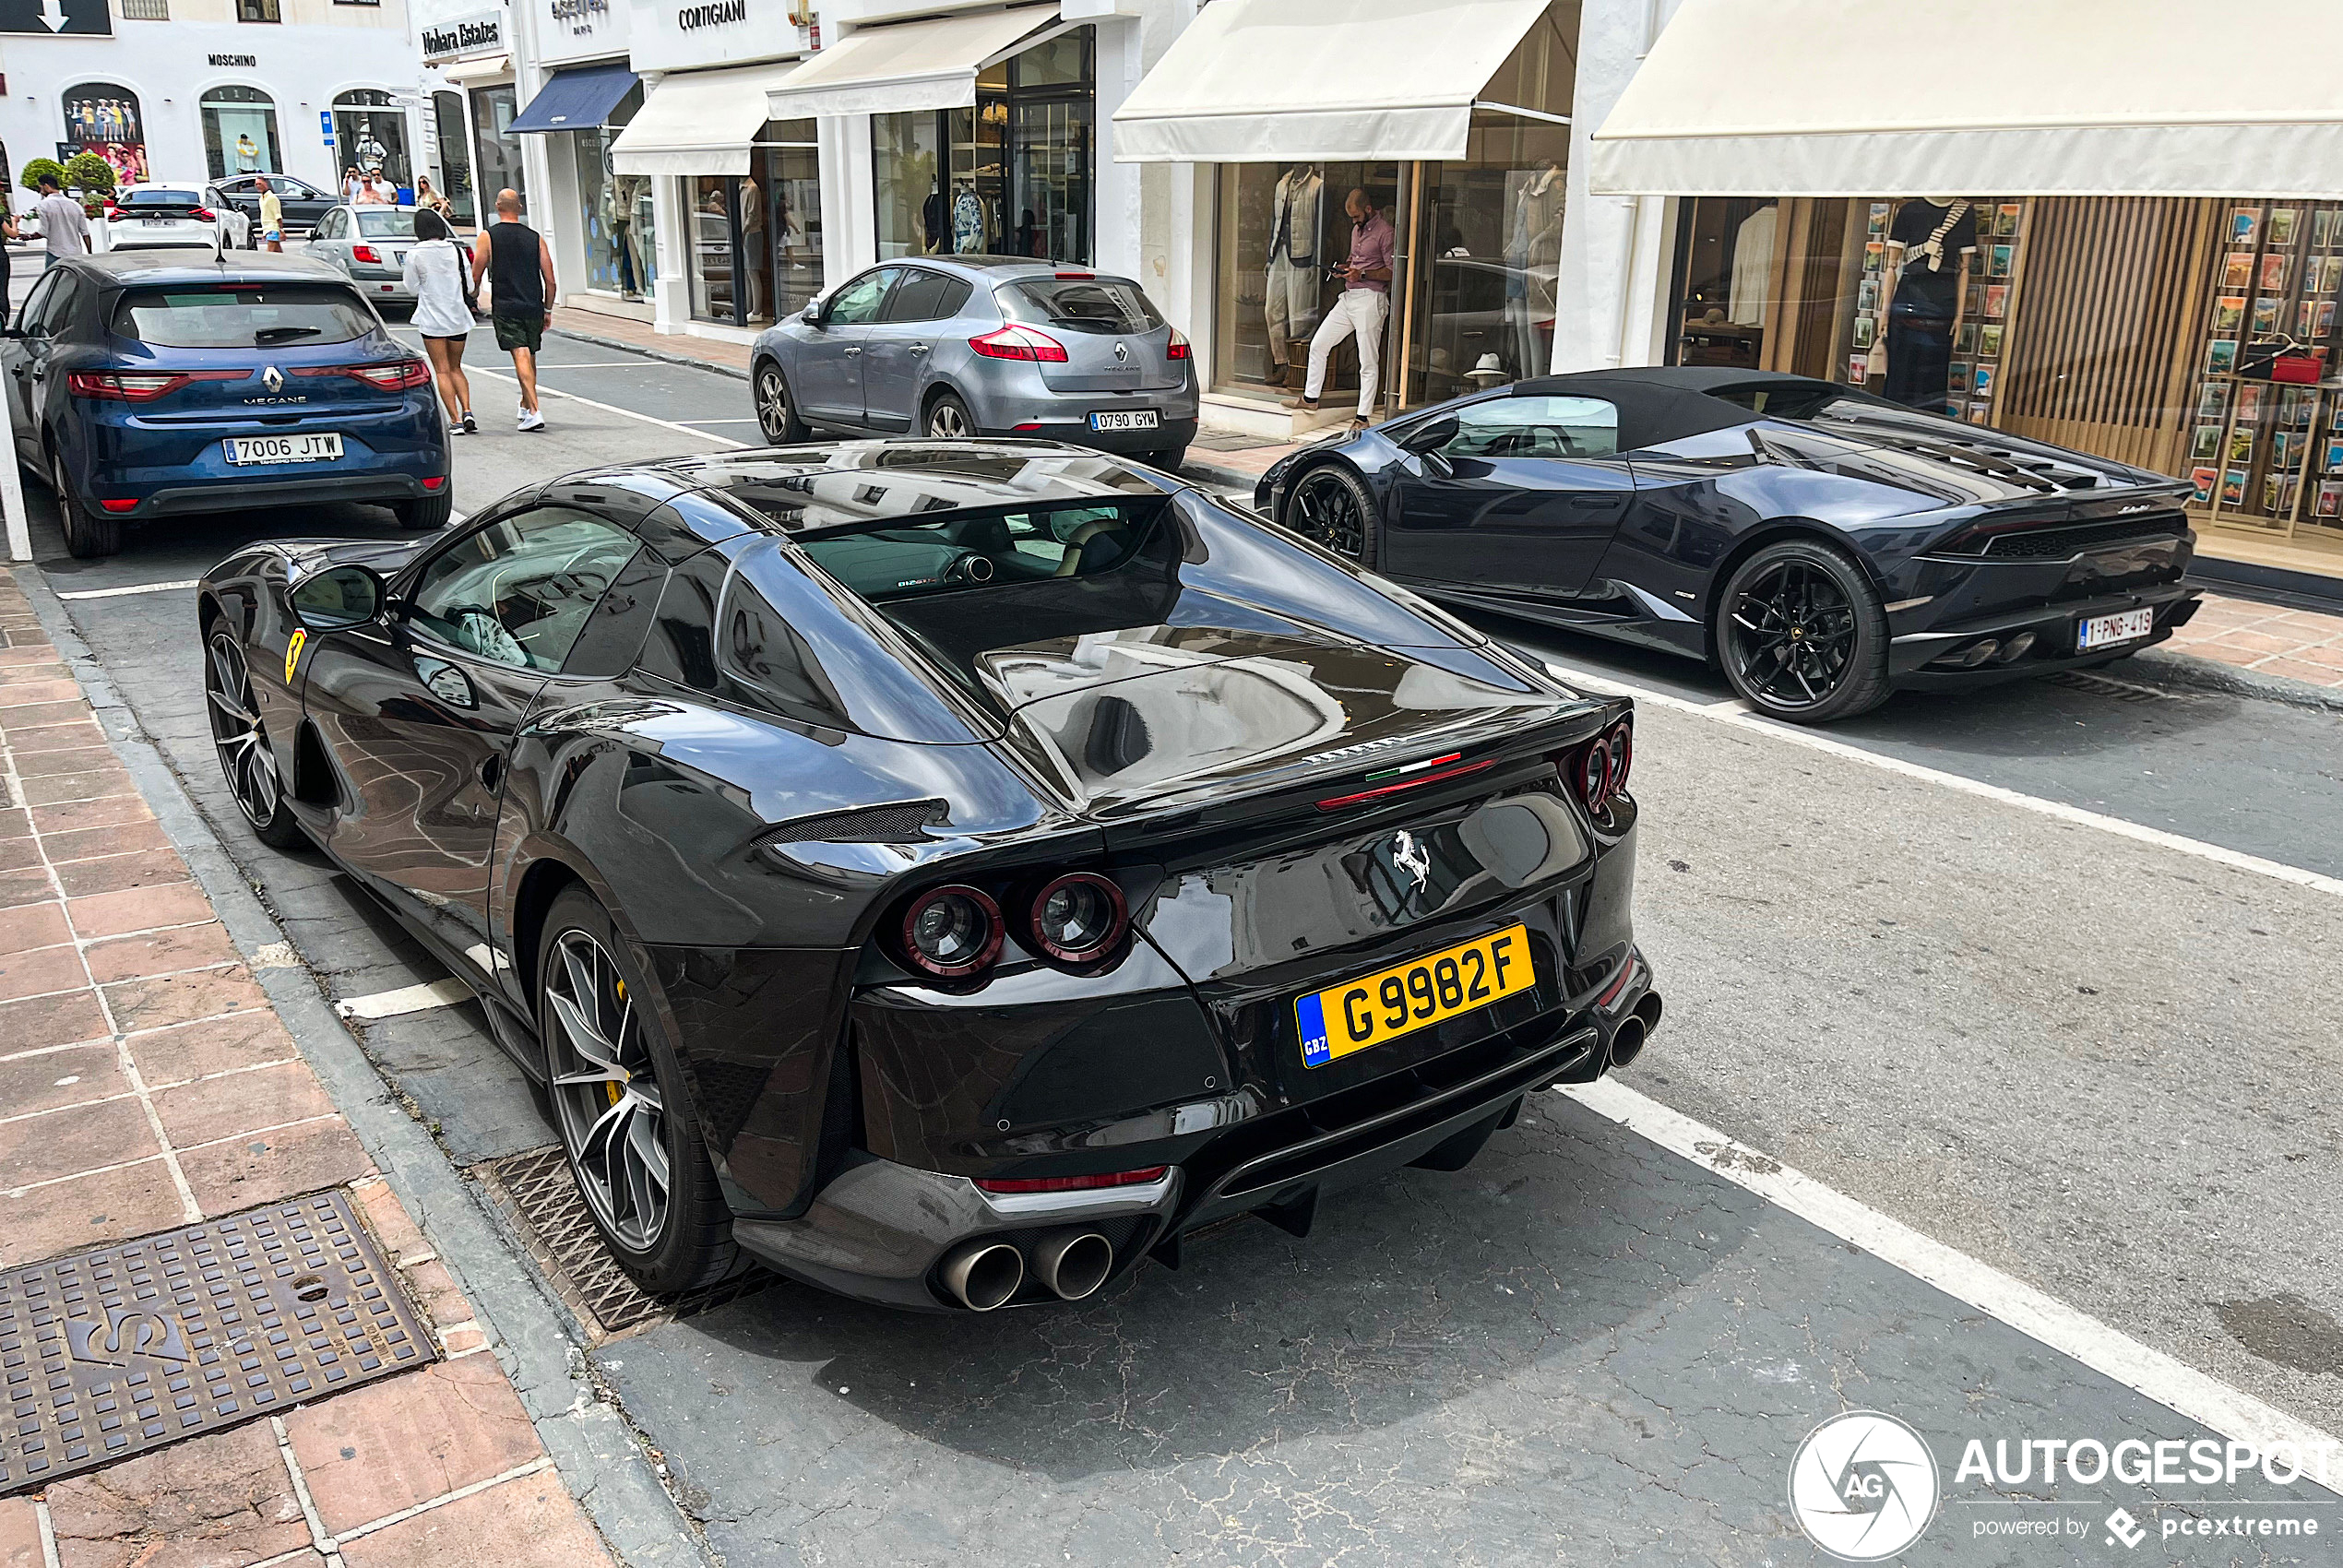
pixel 436 274
pixel 272 217
pixel 65 228
pixel 352 184
pixel 371 192
pixel 9 232
pixel 1367 300
pixel 430 199
pixel 519 269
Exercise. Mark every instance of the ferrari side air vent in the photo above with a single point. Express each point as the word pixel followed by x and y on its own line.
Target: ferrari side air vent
pixel 899 824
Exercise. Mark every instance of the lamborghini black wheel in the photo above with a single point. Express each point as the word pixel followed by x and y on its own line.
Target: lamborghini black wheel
pixel 1801 634
pixel 1333 508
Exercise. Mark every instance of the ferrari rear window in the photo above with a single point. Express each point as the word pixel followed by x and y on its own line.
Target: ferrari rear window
pixel 233 316
pixel 969 555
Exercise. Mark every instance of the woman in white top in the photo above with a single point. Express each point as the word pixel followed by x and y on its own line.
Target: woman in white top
pixel 436 271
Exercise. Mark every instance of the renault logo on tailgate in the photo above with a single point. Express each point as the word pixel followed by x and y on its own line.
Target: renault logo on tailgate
pixel 273 379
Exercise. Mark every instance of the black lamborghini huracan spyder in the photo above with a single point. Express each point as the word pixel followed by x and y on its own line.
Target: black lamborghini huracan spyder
pixel 947 870
pixel 1822 545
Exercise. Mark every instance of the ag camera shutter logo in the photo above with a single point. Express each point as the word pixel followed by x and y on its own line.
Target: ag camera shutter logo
pixel 1864 1486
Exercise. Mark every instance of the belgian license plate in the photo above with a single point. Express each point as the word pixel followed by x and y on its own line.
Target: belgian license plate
pixel 1132 419
pixel 1407 997
pixel 324 446
pixel 2105 631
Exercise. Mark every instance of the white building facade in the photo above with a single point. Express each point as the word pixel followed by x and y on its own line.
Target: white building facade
pixel 197 89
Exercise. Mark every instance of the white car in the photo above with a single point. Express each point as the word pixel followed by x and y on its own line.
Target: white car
pixel 172 217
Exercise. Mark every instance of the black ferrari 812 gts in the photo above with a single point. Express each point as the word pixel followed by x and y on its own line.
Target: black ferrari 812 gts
pixel 1821 546
pixel 950 872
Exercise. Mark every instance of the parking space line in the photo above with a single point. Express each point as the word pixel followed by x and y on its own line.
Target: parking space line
pixel 134 587
pixel 611 408
pixel 2236 859
pixel 406 999
pixel 2073 1332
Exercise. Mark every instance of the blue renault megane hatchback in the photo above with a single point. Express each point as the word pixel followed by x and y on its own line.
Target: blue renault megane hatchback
pixel 148 386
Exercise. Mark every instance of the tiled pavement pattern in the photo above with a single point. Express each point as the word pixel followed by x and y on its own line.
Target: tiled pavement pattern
pixel 145 1082
pixel 2302 645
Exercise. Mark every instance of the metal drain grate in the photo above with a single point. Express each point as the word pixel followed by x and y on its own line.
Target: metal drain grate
pixel 116 1350
pixel 538 1191
pixel 2105 687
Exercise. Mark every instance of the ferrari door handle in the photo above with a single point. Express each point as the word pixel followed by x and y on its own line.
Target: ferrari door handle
pixel 491 770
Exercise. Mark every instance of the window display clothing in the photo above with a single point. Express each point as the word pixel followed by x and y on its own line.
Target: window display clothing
pixel 1753 266
pixel 1361 311
pixel 1533 262
pixel 1289 305
pixel 1934 241
pixel 967 223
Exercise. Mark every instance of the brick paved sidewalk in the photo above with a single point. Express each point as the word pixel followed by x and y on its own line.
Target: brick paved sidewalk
pixel 145 1083
pixel 2302 645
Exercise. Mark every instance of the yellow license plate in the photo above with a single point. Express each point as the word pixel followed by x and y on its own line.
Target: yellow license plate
pixel 1407 997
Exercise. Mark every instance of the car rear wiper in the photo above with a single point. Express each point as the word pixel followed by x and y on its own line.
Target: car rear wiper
pixel 281 334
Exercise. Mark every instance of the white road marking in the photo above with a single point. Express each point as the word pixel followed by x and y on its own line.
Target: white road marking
pixel 722 422
pixel 135 588
pixel 611 408
pixel 2105 1349
pixel 406 999
pixel 1723 713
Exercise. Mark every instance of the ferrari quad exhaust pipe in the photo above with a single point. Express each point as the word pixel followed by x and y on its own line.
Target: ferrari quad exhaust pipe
pixel 1628 1037
pixel 984 1274
pixel 1073 1263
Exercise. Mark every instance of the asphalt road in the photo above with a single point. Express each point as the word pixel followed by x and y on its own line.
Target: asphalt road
pixel 2107 1067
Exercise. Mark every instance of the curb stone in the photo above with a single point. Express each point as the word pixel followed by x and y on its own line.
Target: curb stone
pixel 589 1442
pixel 667 356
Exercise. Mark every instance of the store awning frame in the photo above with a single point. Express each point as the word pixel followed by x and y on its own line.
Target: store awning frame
pixel 2082 98
pixel 1255 81
pixel 577 98
pixel 699 122
pixel 906 67
pixel 477 71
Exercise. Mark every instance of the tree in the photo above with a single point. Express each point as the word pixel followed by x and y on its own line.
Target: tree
pixel 39 166
pixel 90 173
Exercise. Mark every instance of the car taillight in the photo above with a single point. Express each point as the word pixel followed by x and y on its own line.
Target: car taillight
pixel 366 254
pixel 1077 917
pixel 1598 770
pixel 203 214
pixel 1070 1183
pixel 1410 776
pixel 1177 349
pixel 952 933
pixel 141 385
pixel 396 377
pixel 113 213
pixel 1015 342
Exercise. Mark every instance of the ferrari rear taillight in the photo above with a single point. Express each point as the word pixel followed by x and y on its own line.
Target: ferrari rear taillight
pixel 952 933
pixel 1019 342
pixel 1411 775
pixel 1598 770
pixel 140 386
pixel 1077 917
pixel 1070 1183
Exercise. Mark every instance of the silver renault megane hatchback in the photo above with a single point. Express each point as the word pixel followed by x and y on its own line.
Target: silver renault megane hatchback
pixel 981 345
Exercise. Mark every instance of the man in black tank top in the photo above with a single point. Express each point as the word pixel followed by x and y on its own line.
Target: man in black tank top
pixel 520 268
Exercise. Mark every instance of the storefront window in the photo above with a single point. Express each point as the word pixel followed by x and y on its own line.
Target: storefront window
pixel 372 135
pixel 240 132
pixel 455 156
pixel 1011 175
pixel 607 202
pixel 493 111
pixel 101 117
pixel 757 242
pixel 2187 337
pixel 1283 232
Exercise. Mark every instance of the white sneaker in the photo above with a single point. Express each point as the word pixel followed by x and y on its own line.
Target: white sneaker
pixel 531 420
pixel 456 427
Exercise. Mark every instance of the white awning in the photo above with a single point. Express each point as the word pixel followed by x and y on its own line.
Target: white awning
pixel 1260 81
pixel 487 69
pixel 698 122
pixel 1848 98
pixel 908 66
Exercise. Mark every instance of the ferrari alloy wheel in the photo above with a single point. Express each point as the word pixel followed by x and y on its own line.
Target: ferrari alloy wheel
pixel 1332 508
pixel 246 755
pixel 776 415
pixel 948 420
pixel 1801 634
pixel 633 1147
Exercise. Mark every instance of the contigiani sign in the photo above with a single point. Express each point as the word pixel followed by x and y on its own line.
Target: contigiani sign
pixel 466 35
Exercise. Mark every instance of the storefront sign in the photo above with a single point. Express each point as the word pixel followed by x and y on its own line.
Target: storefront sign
pixel 715 13
pixel 582 30
pixel 684 35
pixel 234 62
pixel 480 34
pixel 326 124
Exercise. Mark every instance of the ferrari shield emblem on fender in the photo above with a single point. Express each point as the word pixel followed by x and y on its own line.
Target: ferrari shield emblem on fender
pixel 293 652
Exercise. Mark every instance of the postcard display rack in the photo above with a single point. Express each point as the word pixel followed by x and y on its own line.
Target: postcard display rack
pixel 2266 453
pixel 1988 301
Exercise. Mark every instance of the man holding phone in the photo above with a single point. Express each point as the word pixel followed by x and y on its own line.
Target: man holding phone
pixel 1365 302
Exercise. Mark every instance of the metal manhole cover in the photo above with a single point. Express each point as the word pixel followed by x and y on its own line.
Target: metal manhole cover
pixel 123 1349
pixel 537 1189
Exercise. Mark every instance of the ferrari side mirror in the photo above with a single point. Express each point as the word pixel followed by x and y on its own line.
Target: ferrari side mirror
pixel 339 596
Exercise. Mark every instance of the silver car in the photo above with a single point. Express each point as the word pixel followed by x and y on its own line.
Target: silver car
pixel 370 244
pixel 981 345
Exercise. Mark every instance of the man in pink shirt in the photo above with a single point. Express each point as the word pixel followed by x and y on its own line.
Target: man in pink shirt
pixel 1365 301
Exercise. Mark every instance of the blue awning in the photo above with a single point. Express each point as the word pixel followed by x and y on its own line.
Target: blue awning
pixel 576 99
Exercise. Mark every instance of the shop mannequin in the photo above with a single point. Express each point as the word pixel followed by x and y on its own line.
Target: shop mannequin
pixel 1290 305
pixel 967 219
pixel 1929 247
pixel 1533 259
